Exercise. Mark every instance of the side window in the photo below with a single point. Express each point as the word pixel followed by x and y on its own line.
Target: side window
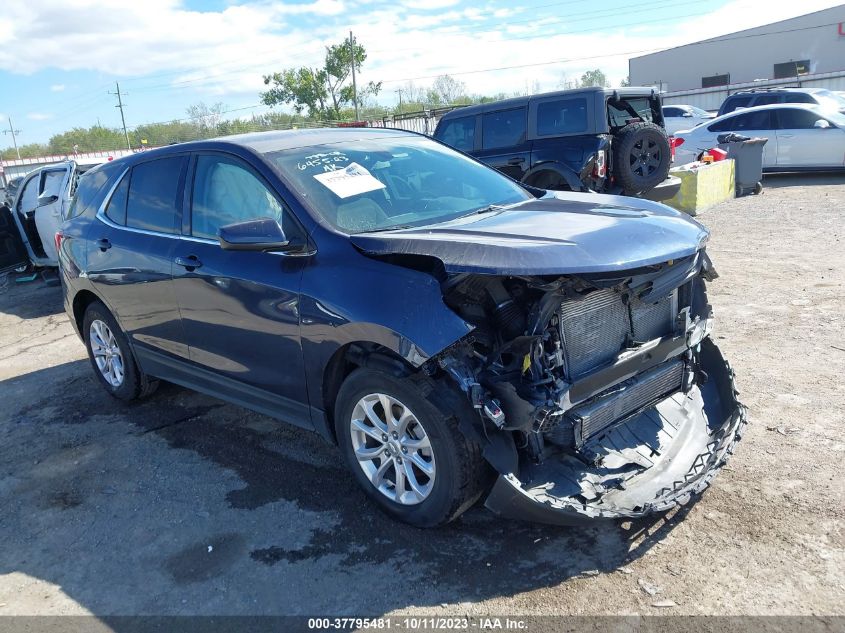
pixel 799 97
pixel 565 116
pixel 737 102
pixel 226 191
pixel 153 189
pixel 51 182
pixel 503 128
pixel 673 112
pixel 459 133
pixel 29 195
pixel 767 99
pixel 116 209
pixel 795 119
pixel 747 121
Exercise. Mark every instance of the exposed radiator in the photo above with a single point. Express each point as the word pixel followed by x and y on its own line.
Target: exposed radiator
pixel 597 327
pixel 627 398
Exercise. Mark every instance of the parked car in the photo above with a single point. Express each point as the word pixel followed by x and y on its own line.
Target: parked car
pixel 826 99
pixel 35 215
pixel 456 333
pixel 590 139
pixel 801 137
pixel 684 117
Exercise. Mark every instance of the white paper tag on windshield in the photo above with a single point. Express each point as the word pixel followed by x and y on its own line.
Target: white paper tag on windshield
pixel 349 181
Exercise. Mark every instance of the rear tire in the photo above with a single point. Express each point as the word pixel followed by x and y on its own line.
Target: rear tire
pixel 111 356
pixel 457 474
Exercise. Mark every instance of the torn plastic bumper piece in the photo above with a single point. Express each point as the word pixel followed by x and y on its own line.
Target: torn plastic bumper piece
pixel 652 462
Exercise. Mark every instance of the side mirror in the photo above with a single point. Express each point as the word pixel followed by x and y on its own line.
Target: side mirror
pixel 45 198
pixel 687 115
pixel 821 124
pixel 261 234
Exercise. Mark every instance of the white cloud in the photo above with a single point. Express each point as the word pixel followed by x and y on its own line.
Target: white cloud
pixel 57 88
pixel 428 5
pixel 38 116
pixel 158 46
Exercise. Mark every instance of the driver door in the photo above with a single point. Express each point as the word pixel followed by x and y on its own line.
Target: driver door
pixel 240 309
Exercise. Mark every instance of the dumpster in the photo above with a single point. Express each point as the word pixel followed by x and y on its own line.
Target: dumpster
pixel 747 154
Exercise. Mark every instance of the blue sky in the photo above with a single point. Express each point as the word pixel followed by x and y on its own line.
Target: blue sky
pixel 59 59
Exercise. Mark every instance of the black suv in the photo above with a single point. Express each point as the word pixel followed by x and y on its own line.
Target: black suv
pixel 590 139
pixel 753 97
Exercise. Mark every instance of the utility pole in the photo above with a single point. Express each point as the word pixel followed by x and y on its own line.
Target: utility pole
pixel 14 140
pixel 354 84
pixel 399 92
pixel 122 118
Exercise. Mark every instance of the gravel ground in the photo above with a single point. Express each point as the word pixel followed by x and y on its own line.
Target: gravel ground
pixel 183 504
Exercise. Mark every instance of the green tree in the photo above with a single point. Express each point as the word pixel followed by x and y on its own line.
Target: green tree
pixel 324 92
pixel 625 82
pixel 446 90
pixel 594 78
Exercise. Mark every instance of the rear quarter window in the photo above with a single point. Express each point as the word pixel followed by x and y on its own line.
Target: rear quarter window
pixel 89 192
pixel 621 112
pixel 563 116
pixel 152 203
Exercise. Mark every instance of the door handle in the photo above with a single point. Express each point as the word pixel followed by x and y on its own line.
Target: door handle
pixel 103 244
pixel 786 135
pixel 516 161
pixel 189 263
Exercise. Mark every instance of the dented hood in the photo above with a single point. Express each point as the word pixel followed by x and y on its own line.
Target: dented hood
pixel 561 233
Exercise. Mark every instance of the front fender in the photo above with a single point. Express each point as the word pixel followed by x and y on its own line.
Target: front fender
pixel 372 301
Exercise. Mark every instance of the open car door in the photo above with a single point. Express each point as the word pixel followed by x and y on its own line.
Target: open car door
pixel 12 251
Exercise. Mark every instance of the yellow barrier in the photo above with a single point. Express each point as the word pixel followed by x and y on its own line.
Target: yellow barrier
pixel 702 185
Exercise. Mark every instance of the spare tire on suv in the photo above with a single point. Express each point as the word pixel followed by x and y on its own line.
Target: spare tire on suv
pixel 641 157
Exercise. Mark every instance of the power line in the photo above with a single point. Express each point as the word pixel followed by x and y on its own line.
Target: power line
pixel 14 140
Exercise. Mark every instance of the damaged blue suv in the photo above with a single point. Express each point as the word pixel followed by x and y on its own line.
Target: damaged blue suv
pixel 457 334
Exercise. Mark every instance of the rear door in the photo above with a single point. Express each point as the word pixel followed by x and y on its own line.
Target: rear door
pixel 504 142
pixel 801 144
pixel 12 251
pixel 753 124
pixel 130 256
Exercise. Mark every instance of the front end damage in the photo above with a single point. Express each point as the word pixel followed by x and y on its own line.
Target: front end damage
pixel 600 395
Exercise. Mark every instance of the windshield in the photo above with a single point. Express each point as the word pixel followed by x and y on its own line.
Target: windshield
pixel 830 100
pixel 392 182
pixel 698 111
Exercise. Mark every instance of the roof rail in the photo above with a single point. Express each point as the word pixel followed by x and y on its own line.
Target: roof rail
pixel 767 89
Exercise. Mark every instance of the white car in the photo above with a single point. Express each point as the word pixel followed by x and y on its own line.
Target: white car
pixel 801 136
pixel 683 117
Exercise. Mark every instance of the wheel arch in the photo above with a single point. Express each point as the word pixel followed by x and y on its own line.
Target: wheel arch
pixel 81 301
pixel 349 357
pixel 567 173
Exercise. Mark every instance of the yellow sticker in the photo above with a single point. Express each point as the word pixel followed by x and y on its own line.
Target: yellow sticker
pixel 526 363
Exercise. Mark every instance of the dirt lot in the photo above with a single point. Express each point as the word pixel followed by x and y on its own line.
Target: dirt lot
pixel 182 504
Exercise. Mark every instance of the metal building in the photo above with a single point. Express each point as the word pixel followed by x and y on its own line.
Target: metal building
pixel 807 51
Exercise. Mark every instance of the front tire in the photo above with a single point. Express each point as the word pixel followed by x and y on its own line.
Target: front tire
pixel 404 447
pixel 111 356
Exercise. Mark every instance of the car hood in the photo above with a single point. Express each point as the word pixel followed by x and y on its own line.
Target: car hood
pixel 561 233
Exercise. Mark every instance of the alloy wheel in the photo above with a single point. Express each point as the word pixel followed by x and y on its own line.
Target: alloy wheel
pixel 106 353
pixel 393 449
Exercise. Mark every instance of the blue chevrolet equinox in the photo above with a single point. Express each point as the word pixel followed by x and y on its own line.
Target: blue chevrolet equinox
pixel 457 334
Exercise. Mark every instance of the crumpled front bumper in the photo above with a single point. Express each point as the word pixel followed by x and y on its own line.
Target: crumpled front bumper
pixel 704 428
